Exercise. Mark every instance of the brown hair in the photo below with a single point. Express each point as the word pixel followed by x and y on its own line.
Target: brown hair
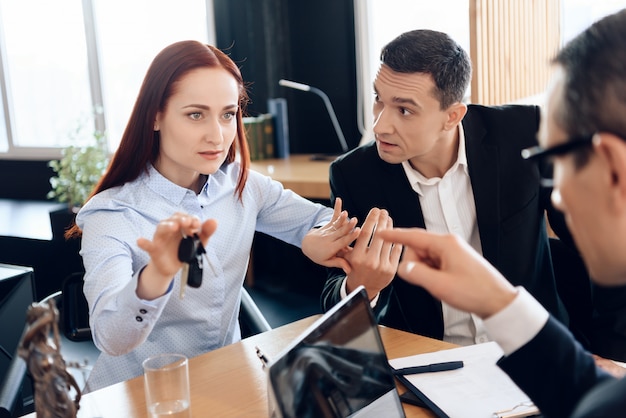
pixel 435 53
pixel 140 143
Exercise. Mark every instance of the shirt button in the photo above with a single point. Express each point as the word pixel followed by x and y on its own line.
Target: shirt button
pixel 138 319
pixel 143 311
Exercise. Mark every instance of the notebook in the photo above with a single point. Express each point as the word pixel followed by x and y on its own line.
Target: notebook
pixel 336 368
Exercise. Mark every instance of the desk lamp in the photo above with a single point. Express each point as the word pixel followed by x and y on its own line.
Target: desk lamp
pixel 329 108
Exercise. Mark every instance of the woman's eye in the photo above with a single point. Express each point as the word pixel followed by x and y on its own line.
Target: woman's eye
pixel 229 115
pixel 195 115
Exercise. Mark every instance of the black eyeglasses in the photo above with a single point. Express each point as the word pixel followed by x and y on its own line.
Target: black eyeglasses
pixel 540 153
pixel 572 144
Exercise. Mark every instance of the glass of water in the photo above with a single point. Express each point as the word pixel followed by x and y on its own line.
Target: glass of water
pixel 166 382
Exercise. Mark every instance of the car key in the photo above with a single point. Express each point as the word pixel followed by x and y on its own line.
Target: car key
pixel 188 248
pixel 190 251
pixel 183 280
pixel 186 254
pixel 194 279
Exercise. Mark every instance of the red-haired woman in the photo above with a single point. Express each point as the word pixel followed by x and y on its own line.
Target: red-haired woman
pixel 182 169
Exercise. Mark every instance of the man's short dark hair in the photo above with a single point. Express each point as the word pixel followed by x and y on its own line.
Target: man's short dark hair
pixel 434 53
pixel 594 94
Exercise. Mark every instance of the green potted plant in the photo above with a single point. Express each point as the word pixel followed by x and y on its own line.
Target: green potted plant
pixel 77 172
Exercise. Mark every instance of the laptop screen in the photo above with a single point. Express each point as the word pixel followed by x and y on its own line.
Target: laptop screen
pixel 336 368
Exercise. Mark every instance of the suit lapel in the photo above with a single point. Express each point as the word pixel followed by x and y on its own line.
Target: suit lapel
pixel 482 161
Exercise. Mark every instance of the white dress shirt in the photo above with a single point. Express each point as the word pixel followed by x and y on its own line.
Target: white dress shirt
pixel 448 207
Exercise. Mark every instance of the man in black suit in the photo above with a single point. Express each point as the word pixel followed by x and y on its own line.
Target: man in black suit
pixel 440 164
pixel 584 134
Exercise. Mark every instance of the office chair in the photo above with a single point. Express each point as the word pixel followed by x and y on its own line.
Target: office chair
pixel 75 312
pixel 74 309
pixel 251 319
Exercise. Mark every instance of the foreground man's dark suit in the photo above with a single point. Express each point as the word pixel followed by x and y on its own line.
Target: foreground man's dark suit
pixel 562 379
pixel 510 206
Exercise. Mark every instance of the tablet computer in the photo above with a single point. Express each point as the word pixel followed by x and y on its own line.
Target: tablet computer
pixel 336 368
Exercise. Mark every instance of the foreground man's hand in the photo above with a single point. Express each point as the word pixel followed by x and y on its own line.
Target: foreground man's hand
pixel 451 271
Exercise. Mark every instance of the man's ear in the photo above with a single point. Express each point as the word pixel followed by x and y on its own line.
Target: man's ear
pixel 613 150
pixel 455 112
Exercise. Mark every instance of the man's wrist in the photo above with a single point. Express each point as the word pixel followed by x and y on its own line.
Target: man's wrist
pixel 517 323
pixel 343 292
pixel 497 304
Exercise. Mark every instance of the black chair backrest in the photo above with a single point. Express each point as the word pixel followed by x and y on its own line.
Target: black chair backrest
pixel 74 310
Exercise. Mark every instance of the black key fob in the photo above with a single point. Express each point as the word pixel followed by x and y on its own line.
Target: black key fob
pixel 190 251
pixel 195 272
pixel 188 248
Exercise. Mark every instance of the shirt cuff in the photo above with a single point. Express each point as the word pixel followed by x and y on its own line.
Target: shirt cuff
pixel 518 323
pixel 343 293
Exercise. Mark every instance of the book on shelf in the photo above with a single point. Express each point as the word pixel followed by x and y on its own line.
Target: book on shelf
pixel 260 136
pixel 278 108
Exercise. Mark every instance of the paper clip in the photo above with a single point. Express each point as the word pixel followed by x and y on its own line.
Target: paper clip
pixel 264 359
pixel 528 409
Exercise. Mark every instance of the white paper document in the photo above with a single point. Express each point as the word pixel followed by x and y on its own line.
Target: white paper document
pixel 480 389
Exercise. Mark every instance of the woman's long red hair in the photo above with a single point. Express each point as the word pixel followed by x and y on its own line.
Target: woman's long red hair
pixel 140 143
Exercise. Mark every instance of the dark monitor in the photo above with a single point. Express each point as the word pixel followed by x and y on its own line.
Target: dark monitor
pixel 16 295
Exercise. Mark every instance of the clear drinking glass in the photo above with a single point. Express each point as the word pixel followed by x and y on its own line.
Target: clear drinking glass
pixel 166 382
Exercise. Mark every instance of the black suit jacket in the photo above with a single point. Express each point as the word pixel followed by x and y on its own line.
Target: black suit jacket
pixel 510 207
pixel 562 379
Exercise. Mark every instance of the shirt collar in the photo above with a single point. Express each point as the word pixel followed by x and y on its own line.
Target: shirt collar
pixel 416 179
pixel 171 191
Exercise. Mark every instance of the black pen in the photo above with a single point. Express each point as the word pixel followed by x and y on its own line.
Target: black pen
pixel 435 367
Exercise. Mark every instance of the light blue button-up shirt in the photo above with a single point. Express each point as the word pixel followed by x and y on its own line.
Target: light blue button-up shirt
pixel 127 329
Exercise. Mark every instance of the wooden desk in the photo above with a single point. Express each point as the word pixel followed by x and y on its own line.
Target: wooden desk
pixel 299 173
pixel 230 382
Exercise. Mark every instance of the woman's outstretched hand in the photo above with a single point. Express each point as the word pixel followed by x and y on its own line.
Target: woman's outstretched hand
pixel 156 277
pixel 329 244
